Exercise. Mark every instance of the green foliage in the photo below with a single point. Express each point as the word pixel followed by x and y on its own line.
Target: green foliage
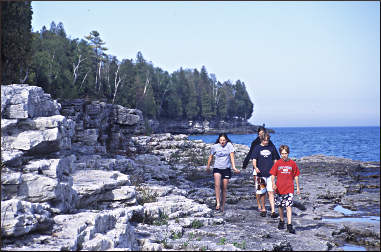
pixel 80 68
pixel 197 224
pixel 162 220
pixel 222 241
pixel 241 245
pixel 145 195
pixel 16 40
pixel 176 235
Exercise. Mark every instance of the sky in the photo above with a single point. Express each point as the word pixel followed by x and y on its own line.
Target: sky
pixel 304 64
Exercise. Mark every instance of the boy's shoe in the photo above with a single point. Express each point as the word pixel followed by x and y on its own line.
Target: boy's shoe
pixel 281 224
pixel 263 214
pixel 290 229
pixel 274 215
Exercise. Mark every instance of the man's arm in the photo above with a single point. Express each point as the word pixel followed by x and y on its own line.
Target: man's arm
pixel 276 154
pixel 248 156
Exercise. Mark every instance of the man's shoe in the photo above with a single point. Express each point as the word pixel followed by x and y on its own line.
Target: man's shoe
pixel 274 215
pixel 281 225
pixel 290 229
pixel 263 214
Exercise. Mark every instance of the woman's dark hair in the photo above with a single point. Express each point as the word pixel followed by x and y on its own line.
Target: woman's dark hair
pixel 261 128
pixel 223 135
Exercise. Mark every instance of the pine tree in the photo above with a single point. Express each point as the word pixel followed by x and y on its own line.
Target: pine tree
pixel 98 46
pixel 16 40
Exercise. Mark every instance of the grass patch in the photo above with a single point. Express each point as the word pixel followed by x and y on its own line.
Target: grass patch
pixel 241 245
pixel 197 224
pixel 162 220
pixel 145 195
pixel 222 241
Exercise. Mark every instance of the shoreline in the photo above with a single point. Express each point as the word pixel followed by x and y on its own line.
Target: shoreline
pixel 86 176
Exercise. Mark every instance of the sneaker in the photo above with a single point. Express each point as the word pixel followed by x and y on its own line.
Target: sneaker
pixel 263 214
pixel 290 229
pixel 281 225
pixel 274 215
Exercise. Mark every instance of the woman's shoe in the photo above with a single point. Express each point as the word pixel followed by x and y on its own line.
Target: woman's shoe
pixel 263 213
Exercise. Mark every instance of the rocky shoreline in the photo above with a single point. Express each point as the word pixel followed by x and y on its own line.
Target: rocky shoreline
pixel 214 127
pixel 82 176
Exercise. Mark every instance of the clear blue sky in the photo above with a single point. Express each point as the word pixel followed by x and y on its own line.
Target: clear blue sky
pixel 303 63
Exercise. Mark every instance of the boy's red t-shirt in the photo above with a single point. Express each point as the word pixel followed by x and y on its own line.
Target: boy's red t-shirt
pixel 285 171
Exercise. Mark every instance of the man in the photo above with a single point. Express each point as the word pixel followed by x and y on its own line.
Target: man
pixel 257 141
pixel 264 157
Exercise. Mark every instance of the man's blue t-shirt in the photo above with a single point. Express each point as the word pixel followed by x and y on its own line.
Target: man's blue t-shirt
pixel 265 156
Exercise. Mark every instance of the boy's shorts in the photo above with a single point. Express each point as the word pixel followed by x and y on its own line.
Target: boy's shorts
pixel 225 173
pixel 269 186
pixel 284 200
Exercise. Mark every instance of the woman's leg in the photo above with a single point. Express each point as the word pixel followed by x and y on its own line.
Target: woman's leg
pixel 217 188
pixel 225 183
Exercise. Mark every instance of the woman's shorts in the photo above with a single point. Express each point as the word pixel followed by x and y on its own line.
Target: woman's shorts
pixel 225 173
pixel 284 200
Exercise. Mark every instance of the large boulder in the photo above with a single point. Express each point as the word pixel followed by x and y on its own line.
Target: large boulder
pixel 24 101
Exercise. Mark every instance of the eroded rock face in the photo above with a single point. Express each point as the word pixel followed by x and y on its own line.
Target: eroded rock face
pixel 23 101
pixel 98 184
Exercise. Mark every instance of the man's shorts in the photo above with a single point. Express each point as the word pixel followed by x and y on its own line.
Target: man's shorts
pixel 284 200
pixel 225 173
pixel 269 186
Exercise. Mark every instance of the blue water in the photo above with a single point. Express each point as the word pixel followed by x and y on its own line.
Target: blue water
pixel 356 143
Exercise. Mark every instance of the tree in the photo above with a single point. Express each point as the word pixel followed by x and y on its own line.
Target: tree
pixel 206 88
pixel 97 44
pixel 16 40
pixel 243 104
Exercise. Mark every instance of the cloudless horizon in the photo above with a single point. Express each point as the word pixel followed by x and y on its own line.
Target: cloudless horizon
pixel 304 64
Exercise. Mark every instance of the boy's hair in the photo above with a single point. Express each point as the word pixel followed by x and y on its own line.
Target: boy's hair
pixel 284 147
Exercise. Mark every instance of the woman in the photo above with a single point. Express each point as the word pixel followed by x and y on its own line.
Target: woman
pixel 223 150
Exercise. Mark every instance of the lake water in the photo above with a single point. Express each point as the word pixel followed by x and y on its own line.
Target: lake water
pixel 356 143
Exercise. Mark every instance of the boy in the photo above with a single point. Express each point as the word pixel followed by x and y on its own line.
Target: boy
pixel 285 170
pixel 263 159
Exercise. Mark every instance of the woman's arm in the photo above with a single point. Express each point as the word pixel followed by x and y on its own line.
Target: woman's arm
pixel 233 162
pixel 209 161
